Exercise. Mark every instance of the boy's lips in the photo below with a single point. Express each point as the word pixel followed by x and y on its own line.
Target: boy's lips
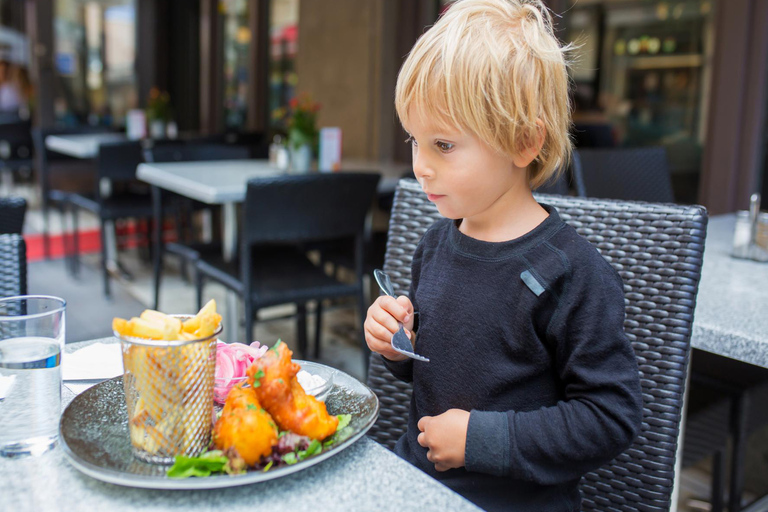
pixel 434 197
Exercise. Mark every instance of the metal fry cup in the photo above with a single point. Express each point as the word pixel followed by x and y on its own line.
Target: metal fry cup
pixel 169 394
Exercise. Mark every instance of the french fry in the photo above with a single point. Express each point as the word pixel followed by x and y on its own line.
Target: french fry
pixel 156 317
pixel 152 330
pixel 122 327
pixel 193 324
pixel 208 324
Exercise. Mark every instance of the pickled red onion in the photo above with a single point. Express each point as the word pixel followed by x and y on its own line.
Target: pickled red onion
pixel 232 360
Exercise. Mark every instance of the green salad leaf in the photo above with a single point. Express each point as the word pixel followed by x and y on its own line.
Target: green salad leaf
pixel 204 465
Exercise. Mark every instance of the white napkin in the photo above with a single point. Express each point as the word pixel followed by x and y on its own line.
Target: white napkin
pixel 99 361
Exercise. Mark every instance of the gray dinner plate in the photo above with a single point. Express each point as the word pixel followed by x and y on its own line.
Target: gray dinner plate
pixel 93 433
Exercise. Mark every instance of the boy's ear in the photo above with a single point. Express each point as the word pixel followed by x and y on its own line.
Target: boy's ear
pixel 529 154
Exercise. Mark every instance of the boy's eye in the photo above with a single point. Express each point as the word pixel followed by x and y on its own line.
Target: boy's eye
pixel 444 146
pixel 411 140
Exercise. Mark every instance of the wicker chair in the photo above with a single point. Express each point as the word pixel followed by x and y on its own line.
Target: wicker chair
pixel 12 210
pixel 13 265
pixel 630 174
pixel 657 250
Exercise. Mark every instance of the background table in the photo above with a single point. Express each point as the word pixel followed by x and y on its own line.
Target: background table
pixel 82 146
pixel 731 317
pixel 364 476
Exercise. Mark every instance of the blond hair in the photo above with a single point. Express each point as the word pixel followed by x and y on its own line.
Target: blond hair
pixel 493 68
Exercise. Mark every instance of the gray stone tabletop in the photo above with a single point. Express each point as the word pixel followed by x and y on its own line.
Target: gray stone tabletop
pixel 221 182
pixel 365 476
pixel 731 316
pixel 81 146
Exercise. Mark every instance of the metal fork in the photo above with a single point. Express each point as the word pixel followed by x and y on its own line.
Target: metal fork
pixel 400 341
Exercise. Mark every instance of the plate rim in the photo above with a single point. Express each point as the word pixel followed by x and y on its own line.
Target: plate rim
pixel 215 481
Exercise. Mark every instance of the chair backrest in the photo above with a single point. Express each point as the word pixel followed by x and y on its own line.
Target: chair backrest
pixel 631 174
pixel 16 142
pixel 657 249
pixel 13 265
pixel 117 161
pixel 570 178
pixel 202 152
pixel 12 210
pixel 304 208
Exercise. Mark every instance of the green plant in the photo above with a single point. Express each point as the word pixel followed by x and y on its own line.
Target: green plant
pixel 301 121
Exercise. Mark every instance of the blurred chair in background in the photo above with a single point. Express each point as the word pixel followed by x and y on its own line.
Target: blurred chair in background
pixel 127 198
pixel 280 215
pixel 13 265
pixel 15 150
pixel 631 174
pixel 59 175
pixel 12 211
pixel 570 179
pixel 188 247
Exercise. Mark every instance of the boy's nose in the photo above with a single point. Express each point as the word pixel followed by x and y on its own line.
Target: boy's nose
pixel 422 168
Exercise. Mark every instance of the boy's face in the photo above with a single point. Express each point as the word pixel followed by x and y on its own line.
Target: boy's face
pixel 461 174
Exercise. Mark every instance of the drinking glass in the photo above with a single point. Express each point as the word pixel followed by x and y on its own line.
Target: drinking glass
pixel 31 340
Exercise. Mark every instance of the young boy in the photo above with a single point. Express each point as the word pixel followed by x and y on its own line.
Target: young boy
pixel 531 381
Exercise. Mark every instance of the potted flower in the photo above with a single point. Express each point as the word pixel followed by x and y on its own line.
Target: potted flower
pixel 302 131
pixel 158 112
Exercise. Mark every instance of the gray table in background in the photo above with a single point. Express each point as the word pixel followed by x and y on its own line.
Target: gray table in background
pixel 731 317
pixel 365 476
pixel 82 146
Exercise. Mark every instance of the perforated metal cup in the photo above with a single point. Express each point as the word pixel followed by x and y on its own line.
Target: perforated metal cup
pixel 169 394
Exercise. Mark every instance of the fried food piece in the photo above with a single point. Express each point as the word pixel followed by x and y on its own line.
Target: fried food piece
pixel 245 426
pixel 154 325
pixel 273 378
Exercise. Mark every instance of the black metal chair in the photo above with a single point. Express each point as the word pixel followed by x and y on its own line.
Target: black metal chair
pixel 569 179
pixel 631 174
pixel 12 210
pixel 657 249
pixel 13 265
pixel 116 165
pixel 185 248
pixel 59 175
pixel 279 215
pixel 16 147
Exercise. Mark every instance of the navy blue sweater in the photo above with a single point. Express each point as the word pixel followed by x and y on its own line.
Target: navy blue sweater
pixel 528 335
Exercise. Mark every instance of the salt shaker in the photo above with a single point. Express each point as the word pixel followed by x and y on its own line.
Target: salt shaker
pixel 750 237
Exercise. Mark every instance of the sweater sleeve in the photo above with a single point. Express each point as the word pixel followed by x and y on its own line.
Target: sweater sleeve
pixel 601 409
pixel 403 370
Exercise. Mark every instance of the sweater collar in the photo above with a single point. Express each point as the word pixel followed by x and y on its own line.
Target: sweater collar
pixel 500 250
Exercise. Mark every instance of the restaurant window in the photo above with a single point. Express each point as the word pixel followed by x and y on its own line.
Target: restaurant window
pixel 283 48
pixel 641 77
pixel 237 41
pixel 95 52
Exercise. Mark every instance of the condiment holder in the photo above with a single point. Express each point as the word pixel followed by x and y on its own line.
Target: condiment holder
pixel 750 236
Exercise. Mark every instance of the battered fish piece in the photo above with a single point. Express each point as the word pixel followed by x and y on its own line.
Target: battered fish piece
pixel 246 426
pixel 273 378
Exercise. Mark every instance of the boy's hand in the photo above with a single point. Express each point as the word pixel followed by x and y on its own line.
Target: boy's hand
pixel 445 436
pixel 381 324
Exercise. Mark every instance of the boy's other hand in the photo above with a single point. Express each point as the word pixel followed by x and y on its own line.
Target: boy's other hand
pixel 445 437
pixel 381 324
